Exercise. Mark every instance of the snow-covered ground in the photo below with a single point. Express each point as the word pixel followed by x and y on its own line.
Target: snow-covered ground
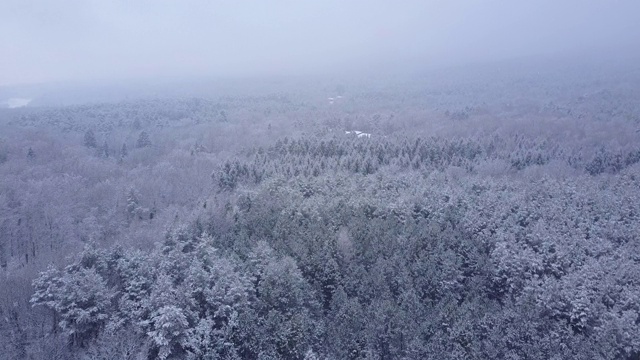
pixel 359 134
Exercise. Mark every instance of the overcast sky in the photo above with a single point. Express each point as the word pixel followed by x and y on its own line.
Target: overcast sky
pixel 69 40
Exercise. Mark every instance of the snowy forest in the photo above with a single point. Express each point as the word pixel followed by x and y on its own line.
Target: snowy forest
pixel 475 212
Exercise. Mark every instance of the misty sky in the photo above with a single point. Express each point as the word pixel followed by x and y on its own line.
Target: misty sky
pixel 69 40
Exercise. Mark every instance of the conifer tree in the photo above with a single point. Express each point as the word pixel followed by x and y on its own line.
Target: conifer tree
pixel 143 140
pixel 90 139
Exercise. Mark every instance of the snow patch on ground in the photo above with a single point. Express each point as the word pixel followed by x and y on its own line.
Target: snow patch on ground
pixel 359 134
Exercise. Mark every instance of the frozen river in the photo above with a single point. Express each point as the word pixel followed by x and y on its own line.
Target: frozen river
pixel 17 102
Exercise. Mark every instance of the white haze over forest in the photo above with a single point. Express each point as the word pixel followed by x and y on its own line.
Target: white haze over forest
pixel 87 40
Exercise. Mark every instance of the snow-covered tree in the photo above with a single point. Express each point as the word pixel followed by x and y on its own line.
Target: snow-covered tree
pixel 143 140
pixel 90 139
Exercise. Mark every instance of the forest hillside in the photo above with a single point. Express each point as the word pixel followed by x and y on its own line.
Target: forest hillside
pixel 487 212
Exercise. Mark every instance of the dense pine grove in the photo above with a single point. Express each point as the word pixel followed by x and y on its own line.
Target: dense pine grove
pixel 486 217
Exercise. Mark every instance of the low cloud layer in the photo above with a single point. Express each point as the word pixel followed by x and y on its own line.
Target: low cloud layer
pixel 81 40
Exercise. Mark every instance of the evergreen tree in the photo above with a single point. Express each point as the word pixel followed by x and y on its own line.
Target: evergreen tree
pixel 79 297
pixel 90 139
pixel 105 149
pixel 3 152
pixel 143 140
pixel 124 151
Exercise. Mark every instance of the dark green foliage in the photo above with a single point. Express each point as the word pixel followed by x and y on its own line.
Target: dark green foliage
pixel 143 140
pixel 231 174
pixel 3 152
pixel 90 139
pixel 105 149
